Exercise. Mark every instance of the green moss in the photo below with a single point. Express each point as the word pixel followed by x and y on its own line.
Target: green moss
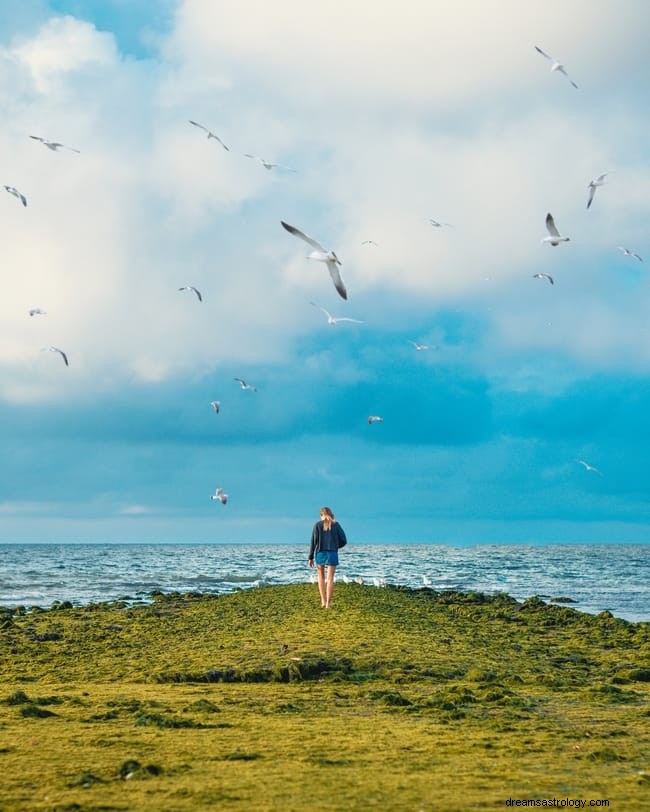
pixel 414 699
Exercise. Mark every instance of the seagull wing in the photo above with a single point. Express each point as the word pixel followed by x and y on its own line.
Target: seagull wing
pixel 546 56
pixel 38 138
pixel 216 138
pixel 550 225
pixel 592 192
pixel 200 126
pixel 298 233
pixel 345 318
pixel 336 278
pixel 322 309
pixel 198 294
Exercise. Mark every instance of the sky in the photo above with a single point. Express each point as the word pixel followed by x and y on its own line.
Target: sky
pixel 382 118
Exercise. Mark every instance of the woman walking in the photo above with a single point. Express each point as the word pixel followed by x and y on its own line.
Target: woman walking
pixel 326 539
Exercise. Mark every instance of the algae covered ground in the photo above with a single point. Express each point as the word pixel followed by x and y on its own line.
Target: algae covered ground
pixel 395 699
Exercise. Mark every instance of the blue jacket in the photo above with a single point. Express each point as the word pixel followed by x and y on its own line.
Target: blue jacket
pixel 322 541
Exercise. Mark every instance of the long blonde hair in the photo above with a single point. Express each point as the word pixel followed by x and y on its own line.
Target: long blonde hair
pixel 329 517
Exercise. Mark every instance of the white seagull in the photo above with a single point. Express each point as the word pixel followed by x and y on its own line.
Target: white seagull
pixel 554 237
pixel 369 242
pixel 55 146
pixel 556 66
pixel 61 353
pixel 628 253
pixel 190 287
pixel 321 255
pixel 375 418
pixel 36 311
pixel 268 164
pixel 593 185
pixel 210 134
pixel 215 405
pixel 219 496
pixel 332 320
pixel 13 191
pixel 420 347
pixel 245 385
pixel 544 276
pixel 589 467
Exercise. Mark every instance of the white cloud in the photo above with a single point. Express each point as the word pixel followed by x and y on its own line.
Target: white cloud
pixel 392 115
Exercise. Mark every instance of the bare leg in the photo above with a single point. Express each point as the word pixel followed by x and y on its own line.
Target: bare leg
pixel 321 585
pixel 329 587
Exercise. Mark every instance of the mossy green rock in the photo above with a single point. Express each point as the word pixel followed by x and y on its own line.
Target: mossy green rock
pixel 396 699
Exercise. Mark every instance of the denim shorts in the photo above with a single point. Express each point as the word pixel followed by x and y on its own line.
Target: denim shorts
pixel 327 557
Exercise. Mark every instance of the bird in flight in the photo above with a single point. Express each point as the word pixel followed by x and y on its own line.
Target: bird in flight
pixel 544 276
pixel 55 146
pixel 267 164
pixel 628 253
pixel 332 320
pixel 190 287
pixel 210 134
pixel 61 353
pixel 554 237
pixel 375 418
pixel 590 467
pixel 220 496
pixel 13 191
pixel 593 185
pixel 215 405
pixel 437 223
pixel 36 311
pixel 245 385
pixel 321 255
pixel 419 346
pixel 556 66
pixel 369 242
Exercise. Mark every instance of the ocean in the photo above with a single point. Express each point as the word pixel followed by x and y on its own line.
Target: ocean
pixel 594 577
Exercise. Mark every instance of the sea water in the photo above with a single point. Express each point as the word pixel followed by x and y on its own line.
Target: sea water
pixel 594 577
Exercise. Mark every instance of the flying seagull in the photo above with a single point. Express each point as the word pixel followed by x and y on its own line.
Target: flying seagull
pixel 210 134
pixel 628 253
pixel 215 405
pixel 437 223
pixel 332 320
pixel 55 146
pixel 268 164
pixel 369 242
pixel 61 353
pixel 556 66
pixel 419 346
pixel 220 496
pixel 245 385
pixel 375 418
pixel 322 255
pixel 593 185
pixel 190 287
pixel 544 276
pixel 554 238
pixel 13 191
pixel 589 467
pixel 36 311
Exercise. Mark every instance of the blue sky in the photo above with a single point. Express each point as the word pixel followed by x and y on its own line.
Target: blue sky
pixel 390 116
